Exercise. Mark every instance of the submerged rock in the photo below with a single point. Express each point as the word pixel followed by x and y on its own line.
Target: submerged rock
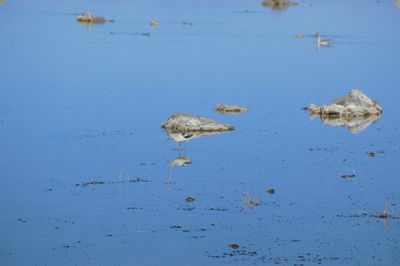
pixel 230 109
pixel 356 104
pixel 192 124
pixel 278 4
pixel 90 19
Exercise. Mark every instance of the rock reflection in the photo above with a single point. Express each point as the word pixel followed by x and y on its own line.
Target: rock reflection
pixel 354 124
pixel 187 136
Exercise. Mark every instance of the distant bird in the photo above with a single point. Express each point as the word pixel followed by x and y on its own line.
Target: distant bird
pixel 321 42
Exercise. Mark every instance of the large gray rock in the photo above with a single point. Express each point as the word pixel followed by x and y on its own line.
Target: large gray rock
pixel 355 104
pixel 184 123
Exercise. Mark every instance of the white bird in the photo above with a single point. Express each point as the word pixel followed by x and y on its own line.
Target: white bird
pixel 322 42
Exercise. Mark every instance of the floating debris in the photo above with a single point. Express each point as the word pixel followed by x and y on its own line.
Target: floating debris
pixel 187 23
pixel 370 154
pixel 189 199
pixel 355 111
pixel 88 18
pixel 250 202
pixel 183 123
pixel 180 162
pixel 154 24
pixel 299 36
pixel 175 226
pixel 278 4
pixel 230 109
pixel 98 182
pixel 271 191
pixel 353 175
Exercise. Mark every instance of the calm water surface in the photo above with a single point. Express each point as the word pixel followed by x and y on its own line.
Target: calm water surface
pixel 85 103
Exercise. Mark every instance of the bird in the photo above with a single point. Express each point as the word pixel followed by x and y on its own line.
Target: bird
pixel 321 42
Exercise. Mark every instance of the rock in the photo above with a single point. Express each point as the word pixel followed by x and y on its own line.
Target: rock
pixel 234 246
pixel 271 191
pixel 88 18
pixel 370 154
pixel 189 199
pixel 278 4
pixel 184 123
pixel 229 109
pixel 355 111
pixel 356 104
pixel 154 24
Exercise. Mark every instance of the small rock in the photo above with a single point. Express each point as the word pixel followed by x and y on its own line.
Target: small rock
pixel 226 109
pixel 90 19
pixel 154 24
pixel 234 246
pixel 370 154
pixel 189 199
pixel 278 4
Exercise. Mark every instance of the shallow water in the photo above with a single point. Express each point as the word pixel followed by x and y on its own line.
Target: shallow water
pixel 85 103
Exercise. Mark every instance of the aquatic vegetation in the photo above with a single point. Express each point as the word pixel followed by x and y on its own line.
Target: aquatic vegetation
pixel 184 123
pixel 88 18
pixel 230 109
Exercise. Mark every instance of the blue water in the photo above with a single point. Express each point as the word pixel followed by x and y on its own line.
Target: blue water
pixel 86 103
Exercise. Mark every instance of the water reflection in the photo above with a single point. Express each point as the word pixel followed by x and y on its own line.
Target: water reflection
pixel 354 124
pixel 181 161
pixel 187 136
